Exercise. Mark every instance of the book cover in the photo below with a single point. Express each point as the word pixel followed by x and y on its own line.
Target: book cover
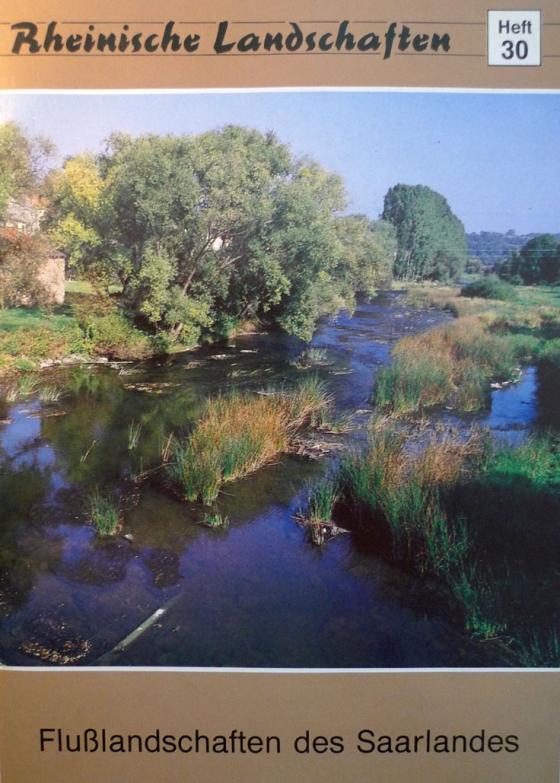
pixel 279 361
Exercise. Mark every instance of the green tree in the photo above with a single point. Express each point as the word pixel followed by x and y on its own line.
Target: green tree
pixel 367 253
pixel 202 232
pixel 22 161
pixel 540 260
pixel 75 214
pixel 510 269
pixel 185 215
pixel 431 240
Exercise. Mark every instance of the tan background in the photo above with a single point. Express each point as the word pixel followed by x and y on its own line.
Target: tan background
pixel 526 704
pixel 464 66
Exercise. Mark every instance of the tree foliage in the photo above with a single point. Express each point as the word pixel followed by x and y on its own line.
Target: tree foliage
pixel 431 240
pixel 202 232
pixel 538 261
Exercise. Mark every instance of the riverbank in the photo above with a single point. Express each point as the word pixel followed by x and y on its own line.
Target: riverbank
pixel 479 519
pixel 84 329
pixel 88 329
pixel 449 503
pixel 457 365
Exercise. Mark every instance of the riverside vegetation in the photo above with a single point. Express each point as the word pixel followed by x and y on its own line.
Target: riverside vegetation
pixel 481 519
pixel 178 242
pixel 454 365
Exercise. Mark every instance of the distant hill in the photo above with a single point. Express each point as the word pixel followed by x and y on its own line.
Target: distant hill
pixel 491 246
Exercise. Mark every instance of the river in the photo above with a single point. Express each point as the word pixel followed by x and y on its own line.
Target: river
pixel 170 592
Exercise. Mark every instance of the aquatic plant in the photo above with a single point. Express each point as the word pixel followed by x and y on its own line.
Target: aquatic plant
pixel 539 649
pixel 104 514
pixel 215 521
pixel 398 491
pixel 322 497
pixel 167 448
pixel 134 432
pixel 336 424
pixel 311 357
pixel 317 516
pixel 239 433
pixel 50 394
pixel 479 600
pixel 26 385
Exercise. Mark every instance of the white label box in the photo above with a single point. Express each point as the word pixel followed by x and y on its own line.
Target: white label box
pixel 514 38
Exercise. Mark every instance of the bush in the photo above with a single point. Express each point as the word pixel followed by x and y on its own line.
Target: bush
pixel 107 332
pixel 21 257
pixel 490 287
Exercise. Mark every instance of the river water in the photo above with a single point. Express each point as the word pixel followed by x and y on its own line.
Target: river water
pixel 258 594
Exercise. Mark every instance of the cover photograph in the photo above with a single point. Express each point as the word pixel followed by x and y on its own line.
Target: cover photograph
pixel 279 372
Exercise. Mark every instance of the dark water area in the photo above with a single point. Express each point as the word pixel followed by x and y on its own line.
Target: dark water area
pixel 256 594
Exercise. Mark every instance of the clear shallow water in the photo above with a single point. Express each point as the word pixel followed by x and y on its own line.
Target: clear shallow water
pixel 258 594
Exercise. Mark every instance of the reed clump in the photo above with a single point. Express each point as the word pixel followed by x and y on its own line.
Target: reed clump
pixel 399 490
pixel 239 433
pixel 311 357
pixel 215 521
pixel 104 514
pixel 450 365
pixel 322 497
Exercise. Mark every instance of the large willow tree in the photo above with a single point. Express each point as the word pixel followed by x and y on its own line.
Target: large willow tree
pixel 199 232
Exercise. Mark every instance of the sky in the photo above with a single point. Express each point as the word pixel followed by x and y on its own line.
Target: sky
pixel 494 156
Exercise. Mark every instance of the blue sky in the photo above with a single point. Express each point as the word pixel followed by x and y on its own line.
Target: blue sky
pixel 496 157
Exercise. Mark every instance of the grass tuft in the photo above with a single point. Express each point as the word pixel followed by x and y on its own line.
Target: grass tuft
pixel 134 433
pixel 50 394
pixel 239 433
pixel 451 365
pixel 215 521
pixel 311 357
pixel 104 514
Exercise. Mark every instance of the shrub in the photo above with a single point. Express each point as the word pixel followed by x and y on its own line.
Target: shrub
pixel 490 287
pixel 107 331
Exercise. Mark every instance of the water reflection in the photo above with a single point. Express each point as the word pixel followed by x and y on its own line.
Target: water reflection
pixel 257 594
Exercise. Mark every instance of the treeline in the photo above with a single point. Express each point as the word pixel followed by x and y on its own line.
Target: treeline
pixel 193 235
pixel 493 247
pixel 538 261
